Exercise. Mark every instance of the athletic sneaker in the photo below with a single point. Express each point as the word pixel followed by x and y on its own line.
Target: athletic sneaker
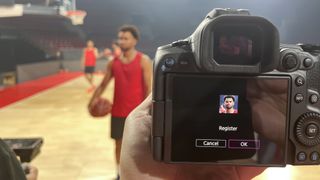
pixel 91 89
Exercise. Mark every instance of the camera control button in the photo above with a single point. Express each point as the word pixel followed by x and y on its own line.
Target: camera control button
pixel 299 81
pixel 314 156
pixel 312 130
pixel 290 61
pixel 169 62
pixel 314 98
pixel 302 156
pixel 244 144
pixel 307 129
pixel 307 62
pixel 298 98
pixel 211 143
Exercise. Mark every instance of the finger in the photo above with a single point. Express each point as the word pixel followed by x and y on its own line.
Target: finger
pixel 33 173
pixel 277 86
pixel 92 104
pixel 249 172
pixel 264 124
pixel 94 101
pixel 104 103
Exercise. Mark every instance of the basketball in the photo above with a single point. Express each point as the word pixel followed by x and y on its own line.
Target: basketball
pixel 100 108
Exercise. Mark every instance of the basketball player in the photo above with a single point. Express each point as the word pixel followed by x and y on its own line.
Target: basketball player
pixel 116 49
pixel 89 57
pixel 132 71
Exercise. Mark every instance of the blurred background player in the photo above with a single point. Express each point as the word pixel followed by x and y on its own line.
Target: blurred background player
pixel 107 53
pixel 88 62
pixel 116 49
pixel 132 71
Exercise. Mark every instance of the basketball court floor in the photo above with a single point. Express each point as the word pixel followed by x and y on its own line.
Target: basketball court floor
pixel 77 146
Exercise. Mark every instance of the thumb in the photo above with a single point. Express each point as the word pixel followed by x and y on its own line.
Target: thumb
pixel 145 105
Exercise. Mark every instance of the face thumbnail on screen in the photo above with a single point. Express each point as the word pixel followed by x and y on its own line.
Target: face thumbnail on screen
pixel 228 104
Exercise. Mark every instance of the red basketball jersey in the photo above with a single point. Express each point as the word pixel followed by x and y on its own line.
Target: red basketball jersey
pixel 129 89
pixel 90 57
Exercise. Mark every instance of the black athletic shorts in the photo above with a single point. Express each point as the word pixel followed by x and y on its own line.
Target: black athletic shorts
pixel 89 69
pixel 117 126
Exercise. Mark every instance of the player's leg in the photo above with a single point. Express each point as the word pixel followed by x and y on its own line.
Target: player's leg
pixel 118 150
pixel 117 126
pixel 89 70
pixel 90 78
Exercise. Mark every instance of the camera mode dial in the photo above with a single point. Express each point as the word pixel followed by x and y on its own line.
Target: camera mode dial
pixel 308 129
pixel 290 61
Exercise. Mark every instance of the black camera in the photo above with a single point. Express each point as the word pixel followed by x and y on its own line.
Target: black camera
pixel 231 94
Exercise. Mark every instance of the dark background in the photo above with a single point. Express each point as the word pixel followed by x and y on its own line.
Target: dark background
pixel 162 22
pixel 36 38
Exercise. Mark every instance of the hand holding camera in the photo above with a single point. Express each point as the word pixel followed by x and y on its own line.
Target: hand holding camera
pixel 231 94
pixel 137 161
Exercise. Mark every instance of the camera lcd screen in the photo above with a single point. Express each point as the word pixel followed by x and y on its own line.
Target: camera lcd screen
pixel 227 119
pixel 236 45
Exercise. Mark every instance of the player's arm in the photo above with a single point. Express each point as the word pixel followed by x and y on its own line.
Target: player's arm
pixel 101 54
pixel 146 65
pixel 104 83
pixel 97 54
pixel 83 57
